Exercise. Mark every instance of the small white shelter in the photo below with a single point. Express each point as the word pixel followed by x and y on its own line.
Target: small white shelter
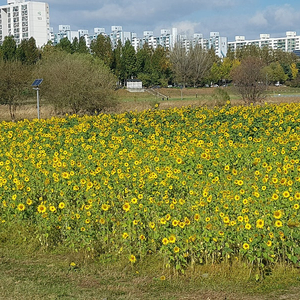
pixel 134 85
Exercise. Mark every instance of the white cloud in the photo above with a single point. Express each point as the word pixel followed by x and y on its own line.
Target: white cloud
pixel 258 20
pixel 276 17
pixel 186 27
pixel 131 12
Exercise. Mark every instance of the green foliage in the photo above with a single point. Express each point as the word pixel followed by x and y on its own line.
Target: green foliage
pixel 15 79
pixel 275 72
pixel 295 82
pixel 143 58
pixel 27 52
pixel 9 48
pixel 102 48
pixel 65 45
pixel 82 47
pixel 75 45
pixel 153 66
pixel 220 97
pixel 77 83
pixel 116 64
pixel 128 62
pixel 265 54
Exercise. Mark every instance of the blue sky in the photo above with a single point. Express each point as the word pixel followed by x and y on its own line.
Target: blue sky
pixel 229 17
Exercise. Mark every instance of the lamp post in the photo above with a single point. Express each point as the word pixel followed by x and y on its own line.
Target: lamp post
pixel 36 85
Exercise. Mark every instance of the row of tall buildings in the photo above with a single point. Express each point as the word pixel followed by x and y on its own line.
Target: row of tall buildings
pixel 24 19
pixel 167 38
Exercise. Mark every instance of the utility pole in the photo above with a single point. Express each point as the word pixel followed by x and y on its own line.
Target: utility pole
pixel 36 85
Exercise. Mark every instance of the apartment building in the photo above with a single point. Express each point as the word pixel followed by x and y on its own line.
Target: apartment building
pixel 24 19
pixel 289 43
pixel 219 44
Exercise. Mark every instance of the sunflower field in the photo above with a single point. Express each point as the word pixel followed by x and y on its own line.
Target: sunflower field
pixel 194 185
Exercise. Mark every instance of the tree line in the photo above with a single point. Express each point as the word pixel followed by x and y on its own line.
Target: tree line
pixel 78 78
pixel 186 67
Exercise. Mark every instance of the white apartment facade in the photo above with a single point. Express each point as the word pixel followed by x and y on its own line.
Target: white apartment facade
pixel 219 44
pixel 289 43
pixel 25 19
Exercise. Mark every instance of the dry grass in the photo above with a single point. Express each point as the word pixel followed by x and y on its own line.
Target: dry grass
pixel 143 101
pixel 28 111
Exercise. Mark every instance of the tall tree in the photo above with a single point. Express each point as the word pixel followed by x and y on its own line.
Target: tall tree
pixel 201 62
pixel 116 64
pixel 128 61
pixel 275 72
pixel 143 59
pixel 144 65
pixel 161 65
pixel 65 45
pixel 180 64
pixel 102 48
pixel 27 51
pixel 9 48
pixel 294 71
pixel 82 47
pixel 75 45
pixel 15 78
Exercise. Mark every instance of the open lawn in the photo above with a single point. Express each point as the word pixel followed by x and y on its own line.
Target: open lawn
pixel 47 275
pixel 142 101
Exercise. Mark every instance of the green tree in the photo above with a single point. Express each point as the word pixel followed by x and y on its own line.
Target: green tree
pixel 116 64
pixel 143 59
pixel 221 71
pixel 48 49
pixel 15 79
pixel 82 47
pixel 9 48
pixel 65 45
pixel 153 66
pixel 267 55
pixel 102 48
pixel 27 51
pixel 160 65
pixel 247 51
pixel 284 58
pixel 215 75
pixel 77 83
pixel 128 61
pixel 230 54
pixel 75 45
pixel 275 72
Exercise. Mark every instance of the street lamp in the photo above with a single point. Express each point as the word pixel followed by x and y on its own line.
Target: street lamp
pixel 36 85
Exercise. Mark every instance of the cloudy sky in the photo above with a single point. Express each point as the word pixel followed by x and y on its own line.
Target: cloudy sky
pixel 229 17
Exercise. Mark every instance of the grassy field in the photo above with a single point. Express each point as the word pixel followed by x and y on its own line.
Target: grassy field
pixel 143 101
pixel 50 275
